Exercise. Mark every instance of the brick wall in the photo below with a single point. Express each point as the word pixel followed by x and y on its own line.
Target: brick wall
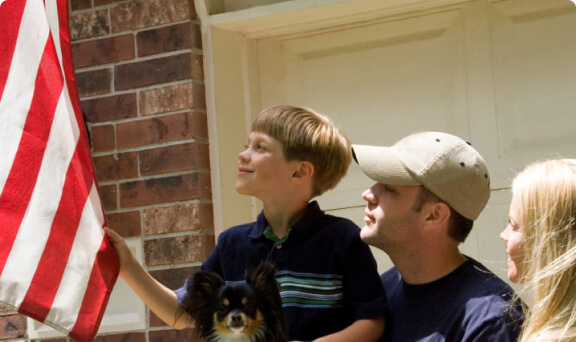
pixel 140 77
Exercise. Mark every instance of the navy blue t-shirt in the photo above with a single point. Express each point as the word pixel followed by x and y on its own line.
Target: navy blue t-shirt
pixel 469 304
pixel 328 276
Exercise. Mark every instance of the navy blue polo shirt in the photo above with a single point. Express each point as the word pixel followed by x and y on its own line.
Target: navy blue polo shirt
pixel 328 276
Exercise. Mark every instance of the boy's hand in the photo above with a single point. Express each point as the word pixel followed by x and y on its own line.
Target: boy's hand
pixel 125 257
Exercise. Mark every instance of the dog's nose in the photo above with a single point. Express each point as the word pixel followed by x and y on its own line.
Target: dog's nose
pixel 236 320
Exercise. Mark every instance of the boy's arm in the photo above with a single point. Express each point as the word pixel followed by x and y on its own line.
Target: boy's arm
pixel 160 299
pixel 365 330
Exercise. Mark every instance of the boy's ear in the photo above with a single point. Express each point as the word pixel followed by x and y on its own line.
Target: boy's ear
pixel 304 170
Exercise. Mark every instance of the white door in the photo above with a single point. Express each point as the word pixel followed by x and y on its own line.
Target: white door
pixel 501 74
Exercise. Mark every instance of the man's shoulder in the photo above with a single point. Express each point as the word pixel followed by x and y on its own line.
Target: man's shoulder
pixel 391 277
pixel 483 281
pixel 486 294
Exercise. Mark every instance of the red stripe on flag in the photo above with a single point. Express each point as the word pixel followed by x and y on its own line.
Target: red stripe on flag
pixel 100 286
pixel 44 286
pixel 18 189
pixel 28 160
pixel 12 17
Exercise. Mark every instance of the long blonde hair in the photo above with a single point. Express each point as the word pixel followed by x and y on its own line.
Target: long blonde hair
pixel 545 196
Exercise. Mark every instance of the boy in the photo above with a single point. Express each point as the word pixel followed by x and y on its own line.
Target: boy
pixel 329 282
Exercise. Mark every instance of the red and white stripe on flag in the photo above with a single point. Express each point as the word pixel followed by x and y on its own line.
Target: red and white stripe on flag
pixel 56 263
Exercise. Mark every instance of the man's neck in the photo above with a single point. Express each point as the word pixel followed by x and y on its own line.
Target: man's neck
pixel 423 269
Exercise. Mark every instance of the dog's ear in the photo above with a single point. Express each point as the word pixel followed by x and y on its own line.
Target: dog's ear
pixel 263 278
pixel 263 281
pixel 204 284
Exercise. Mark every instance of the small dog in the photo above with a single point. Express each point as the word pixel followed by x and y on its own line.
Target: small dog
pixel 241 312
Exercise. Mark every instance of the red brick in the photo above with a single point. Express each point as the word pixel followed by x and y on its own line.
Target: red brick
pixel 89 24
pixel 94 82
pixel 199 94
pixel 76 5
pixel 109 196
pixel 200 125
pixel 138 15
pixel 165 39
pixel 102 51
pixel 153 71
pixel 166 99
pixel 178 250
pixel 174 278
pixel 116 166
pixel 173 335
pixel 196 37
pixel 165 190
pixel 173 158
pixel 197 67
pixel 110 108
pixel 12 326
pixel 103 138
pixel 103 2
pixel 126 224
pixel 122 337
pixel 178 218
pixel 161 129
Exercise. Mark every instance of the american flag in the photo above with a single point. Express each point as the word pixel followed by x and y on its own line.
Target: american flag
pixel 56 264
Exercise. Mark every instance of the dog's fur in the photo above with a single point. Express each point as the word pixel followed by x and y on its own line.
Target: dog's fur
pixel 241 312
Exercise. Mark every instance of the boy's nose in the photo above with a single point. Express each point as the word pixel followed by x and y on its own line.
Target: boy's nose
pixel 243 156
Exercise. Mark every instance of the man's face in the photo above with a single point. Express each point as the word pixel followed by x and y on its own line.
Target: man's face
pixel 390 220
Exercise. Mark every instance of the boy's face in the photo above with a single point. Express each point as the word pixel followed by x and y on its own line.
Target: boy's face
pixel 262 168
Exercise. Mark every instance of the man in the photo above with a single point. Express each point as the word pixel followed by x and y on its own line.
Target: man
pixel 430 188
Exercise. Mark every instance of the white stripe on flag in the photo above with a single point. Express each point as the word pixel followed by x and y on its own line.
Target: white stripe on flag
pixel 33 232
pixel 75 278
pixel 17 96
pixel 52 233
pixel 54 24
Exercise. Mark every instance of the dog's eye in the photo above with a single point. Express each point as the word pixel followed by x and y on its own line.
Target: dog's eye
pixel 222 309
pixel 250 309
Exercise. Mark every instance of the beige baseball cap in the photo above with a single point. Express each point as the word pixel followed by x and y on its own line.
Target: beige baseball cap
pixel 446 165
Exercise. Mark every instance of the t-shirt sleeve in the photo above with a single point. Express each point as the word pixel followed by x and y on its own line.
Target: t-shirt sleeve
pixel 496 329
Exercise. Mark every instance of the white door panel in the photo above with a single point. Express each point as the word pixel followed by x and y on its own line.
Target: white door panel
pixel 378 82
pixel 534 46
pixel 499 73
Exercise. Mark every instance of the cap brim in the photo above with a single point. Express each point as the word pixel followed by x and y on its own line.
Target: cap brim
pixel 382 164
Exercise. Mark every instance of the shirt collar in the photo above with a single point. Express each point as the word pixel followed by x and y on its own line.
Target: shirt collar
pixel 304 225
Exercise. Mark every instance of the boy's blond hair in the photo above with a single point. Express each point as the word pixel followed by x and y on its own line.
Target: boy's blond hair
pixel 545 195
pixel 308 136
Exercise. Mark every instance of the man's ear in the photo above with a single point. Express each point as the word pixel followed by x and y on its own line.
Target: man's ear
pixel 438 213
pixel 304 171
